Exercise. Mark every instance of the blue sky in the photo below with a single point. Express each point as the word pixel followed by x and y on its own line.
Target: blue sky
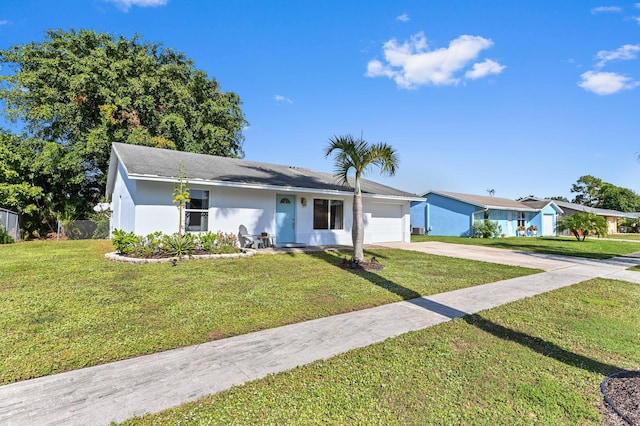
pixel 522 97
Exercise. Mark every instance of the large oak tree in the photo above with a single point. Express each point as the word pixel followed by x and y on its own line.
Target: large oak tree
pixel 83 90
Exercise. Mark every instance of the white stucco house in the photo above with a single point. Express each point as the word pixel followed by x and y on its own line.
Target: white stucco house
pixel 295 206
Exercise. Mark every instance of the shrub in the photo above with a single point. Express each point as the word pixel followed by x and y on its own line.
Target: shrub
pixel 124 242
pixel 227 241
pixel 179 245
pixel 101 222
pixel 5 238
pixel 485 229
pixel 208 242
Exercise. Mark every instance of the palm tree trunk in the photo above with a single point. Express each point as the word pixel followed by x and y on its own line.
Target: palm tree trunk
pixel 357 230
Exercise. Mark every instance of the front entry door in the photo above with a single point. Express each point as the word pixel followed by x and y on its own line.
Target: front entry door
pixel 285 219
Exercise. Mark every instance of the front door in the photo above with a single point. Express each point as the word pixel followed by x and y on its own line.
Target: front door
pixel 285 219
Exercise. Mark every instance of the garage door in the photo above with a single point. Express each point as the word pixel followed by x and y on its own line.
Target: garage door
pixel 384 224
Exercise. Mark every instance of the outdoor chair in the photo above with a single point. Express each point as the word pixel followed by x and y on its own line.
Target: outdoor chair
pixel 248 240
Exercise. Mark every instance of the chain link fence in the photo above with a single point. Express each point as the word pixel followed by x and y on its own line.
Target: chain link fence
pixel 10 223
pixel 83 229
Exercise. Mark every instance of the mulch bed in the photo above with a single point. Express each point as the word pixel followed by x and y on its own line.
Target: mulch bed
pixel 373 265
pixel 623 393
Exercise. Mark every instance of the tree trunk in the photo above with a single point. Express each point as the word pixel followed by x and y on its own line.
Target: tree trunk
pixel 357 230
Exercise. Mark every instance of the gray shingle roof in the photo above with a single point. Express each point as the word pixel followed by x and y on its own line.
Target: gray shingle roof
pixel 485 201
pixel 600 212
pixel 141 161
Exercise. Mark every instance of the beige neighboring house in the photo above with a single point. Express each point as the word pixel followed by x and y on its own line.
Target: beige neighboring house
pixel 611 216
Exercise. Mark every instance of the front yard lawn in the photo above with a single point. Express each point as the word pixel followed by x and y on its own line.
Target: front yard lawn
pixel 63 306
pixel 536 361
pixel 592 247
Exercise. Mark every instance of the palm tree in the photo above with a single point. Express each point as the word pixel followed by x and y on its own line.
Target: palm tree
pixel 357 154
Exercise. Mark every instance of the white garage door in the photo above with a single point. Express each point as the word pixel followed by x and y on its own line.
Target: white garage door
pixel 385 223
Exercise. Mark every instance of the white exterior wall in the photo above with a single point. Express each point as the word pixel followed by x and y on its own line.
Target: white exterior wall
pixel 155 210
pixel 232 207
pixel 124 190
pixel 147 206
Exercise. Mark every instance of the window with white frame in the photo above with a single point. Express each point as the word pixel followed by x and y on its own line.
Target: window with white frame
pixel 521 219
pixel 328 214
pixel 196 214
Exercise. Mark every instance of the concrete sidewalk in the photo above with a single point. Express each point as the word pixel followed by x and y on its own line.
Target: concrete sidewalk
pixel 120 390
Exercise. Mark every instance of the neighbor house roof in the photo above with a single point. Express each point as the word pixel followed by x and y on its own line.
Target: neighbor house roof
pixel 540 204
pixel 484 201
pixel 600 212
pixel 141 162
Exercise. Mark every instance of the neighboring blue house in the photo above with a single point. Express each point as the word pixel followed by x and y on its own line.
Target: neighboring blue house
pixel 453 214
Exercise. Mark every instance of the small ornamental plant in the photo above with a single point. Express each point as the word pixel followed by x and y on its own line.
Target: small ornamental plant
pixel 181 196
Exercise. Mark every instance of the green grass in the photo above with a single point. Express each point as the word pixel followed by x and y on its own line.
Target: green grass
pixel 63 306
pixel 536 361
pixel 630 236
pixel 592 247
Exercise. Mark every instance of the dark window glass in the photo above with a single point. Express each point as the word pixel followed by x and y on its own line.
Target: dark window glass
pixel 336 214
pixel 328 214
pixel 320 214
pixel 196 216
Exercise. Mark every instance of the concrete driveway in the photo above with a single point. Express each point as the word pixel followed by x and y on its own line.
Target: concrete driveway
pixel 546 262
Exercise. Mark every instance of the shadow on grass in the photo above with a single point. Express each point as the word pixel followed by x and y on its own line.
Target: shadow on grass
pixel 534 343
pixel 541 346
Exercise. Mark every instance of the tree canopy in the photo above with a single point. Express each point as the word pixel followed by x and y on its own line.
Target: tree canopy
pixel 83 90
pixel 594 192
pixel 583 224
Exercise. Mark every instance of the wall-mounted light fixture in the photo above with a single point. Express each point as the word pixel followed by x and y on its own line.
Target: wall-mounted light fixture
pixel 303 201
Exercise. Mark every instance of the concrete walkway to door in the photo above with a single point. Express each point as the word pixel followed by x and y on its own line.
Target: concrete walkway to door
pixel 120 390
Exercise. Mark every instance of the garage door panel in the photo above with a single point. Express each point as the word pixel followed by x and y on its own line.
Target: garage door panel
pixel 385 223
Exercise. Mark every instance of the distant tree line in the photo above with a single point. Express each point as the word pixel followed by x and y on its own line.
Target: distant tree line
pixel 75 93
pixel 593 192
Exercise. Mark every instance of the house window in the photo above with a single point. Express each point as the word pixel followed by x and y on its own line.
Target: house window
pixel 521 219
pixel 328 214
pixel 196 216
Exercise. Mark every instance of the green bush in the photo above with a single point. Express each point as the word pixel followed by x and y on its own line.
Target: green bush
pixel 179 245
pixel 124 242
pixel 208 241
pixel 485 229
pixel 129 244
pixel 101 222
pixel 5 238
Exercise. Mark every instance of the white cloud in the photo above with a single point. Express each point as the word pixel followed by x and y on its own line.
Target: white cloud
pixel 4 22
pixel 606 9
pixel 283 99
pixel 624 53
pixel 403 18
pixel 637 19
pixel 483 69
pixel 606 83
pixel 126 4
pixel 637 5
pixel 413 64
